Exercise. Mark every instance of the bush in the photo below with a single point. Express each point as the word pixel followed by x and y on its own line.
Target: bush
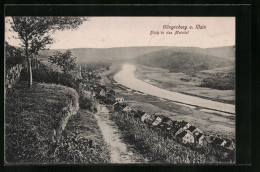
pixel 45 75
pixel 220 81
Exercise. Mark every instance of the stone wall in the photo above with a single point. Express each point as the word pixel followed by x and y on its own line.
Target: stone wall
pixel 12 76
pixel 66 113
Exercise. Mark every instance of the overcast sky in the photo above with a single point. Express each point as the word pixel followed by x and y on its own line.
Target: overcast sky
pixel 106 32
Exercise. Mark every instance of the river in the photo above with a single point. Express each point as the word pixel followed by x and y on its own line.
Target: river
pixel 126 77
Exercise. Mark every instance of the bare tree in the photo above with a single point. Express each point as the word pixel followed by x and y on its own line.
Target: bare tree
pixel 35 33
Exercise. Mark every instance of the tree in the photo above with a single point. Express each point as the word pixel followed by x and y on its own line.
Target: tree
pixel 65 61
pixel 35 33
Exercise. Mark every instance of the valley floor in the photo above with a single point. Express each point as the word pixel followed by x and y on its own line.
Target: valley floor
pixel 186 84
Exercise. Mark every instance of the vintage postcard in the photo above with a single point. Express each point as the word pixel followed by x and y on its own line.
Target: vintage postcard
pixel 120 90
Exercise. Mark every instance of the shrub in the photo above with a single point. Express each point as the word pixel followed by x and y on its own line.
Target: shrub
pixel 220 81
pixel 43 74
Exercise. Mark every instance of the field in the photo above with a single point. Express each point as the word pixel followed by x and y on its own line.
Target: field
pixel 185 83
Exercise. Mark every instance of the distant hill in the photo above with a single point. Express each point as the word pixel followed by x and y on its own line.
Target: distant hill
pixel 171 56
pixel 187 59
pixel 224 52
pixel 104 54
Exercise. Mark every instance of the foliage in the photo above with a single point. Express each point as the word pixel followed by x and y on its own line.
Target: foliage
pixel 13 56
pixel 65 61
pixel 45 75
pixel 35 32
pixel 220 81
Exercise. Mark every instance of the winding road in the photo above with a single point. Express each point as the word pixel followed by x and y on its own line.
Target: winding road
pixel 126 77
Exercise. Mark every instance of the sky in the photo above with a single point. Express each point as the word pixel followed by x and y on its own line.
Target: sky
pixel 107 32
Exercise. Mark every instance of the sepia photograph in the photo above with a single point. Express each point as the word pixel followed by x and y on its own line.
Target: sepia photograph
pixel 120 90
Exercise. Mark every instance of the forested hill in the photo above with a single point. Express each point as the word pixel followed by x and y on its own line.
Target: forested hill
pixel 104 54
pixel 184 61
pixel 223 52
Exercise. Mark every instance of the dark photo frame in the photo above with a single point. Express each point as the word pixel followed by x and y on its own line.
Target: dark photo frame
pixel 243 61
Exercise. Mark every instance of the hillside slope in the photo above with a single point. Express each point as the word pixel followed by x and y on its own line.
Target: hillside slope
pixel 31 116
pixel 180 61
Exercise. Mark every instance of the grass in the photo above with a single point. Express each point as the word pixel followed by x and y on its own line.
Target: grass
pixel 81 142
pixel 31 115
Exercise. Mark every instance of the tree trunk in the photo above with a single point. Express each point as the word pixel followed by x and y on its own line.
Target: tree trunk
pixel 37 63
pixel 29 71
pixel 29 65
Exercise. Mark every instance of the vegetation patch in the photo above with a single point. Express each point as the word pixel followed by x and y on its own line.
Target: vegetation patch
pixel 46 75
pixel 220 81
pixel 31 116
pixel 81 142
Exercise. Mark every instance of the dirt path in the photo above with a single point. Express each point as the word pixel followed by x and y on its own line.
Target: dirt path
pixel 120 151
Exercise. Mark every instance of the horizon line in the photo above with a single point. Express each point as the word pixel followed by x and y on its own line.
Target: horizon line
pixel 140 46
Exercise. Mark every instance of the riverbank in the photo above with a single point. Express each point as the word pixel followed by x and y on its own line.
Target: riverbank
pixel 126 77
pixel 186 84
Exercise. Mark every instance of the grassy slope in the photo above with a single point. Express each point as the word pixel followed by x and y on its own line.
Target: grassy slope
pixel 154 146
pixel 75 144
pixel 31 116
